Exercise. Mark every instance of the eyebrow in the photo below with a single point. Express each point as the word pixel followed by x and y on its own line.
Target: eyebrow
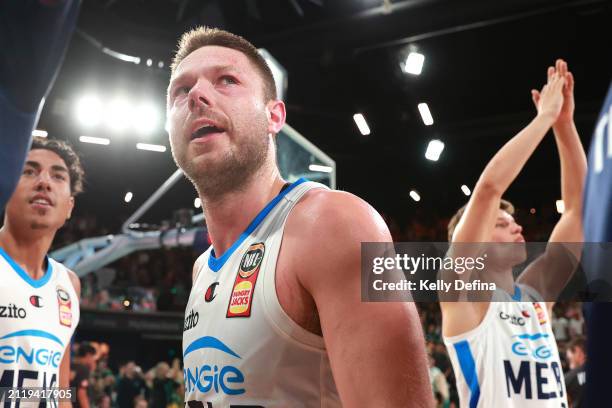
pixel 37 166
pixel 213 68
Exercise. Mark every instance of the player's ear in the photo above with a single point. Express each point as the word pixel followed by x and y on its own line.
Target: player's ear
pixel 275 111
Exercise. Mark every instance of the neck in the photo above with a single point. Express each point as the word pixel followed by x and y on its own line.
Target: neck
pixel 503 279
pixel 28 250
pixel 228 216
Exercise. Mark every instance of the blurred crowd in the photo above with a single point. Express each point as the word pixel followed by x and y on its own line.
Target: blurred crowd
pixel 97 385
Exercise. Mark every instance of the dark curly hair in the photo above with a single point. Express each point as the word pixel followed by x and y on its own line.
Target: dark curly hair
pixel 67 153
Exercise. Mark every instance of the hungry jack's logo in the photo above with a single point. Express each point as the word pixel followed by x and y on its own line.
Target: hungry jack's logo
pixel 241 299
pixel 65 307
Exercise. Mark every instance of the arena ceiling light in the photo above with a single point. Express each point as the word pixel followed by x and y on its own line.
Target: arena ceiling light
pixel 361 123
pixel 151 147
pixel 414 63
pixel 560 206
pixel 425 114
pixel 466 190
pixel 39 133
pixel 119 114
pixel 415 196
pixel 318 167
pixel 95 140
pixel 88 111
pixel 128 197
pixel 197 203
pixel 145 118
pixel 434 150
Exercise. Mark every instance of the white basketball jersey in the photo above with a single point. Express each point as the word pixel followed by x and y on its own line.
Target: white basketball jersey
pixel 240 349
pixel 37 320
pixel 510 359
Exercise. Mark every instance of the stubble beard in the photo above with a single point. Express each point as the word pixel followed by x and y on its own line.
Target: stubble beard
pixel 232 172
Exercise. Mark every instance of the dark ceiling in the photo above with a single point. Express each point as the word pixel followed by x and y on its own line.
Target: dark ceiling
pixel 342 56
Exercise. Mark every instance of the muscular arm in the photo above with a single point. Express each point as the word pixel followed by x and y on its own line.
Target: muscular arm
pixel 376 349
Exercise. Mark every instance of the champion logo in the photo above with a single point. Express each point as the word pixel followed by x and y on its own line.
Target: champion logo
pixel 210 292
pixel 36 301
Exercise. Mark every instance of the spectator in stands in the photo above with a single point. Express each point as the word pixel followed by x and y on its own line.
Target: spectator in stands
pixel 81 369
pixel 575 379
pixel 130 385
pixel 576 321
pixel 560 327
pixel 439 384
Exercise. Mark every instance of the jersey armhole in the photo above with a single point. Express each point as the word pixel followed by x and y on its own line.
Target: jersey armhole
pixel 273 310
pixel 476 331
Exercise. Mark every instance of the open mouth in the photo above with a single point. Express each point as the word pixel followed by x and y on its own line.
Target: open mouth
pixel 41 201
pixel 206 131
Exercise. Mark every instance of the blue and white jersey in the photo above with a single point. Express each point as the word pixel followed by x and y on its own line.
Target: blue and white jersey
pixel 240 348
pixel 37 320
pixel 510 360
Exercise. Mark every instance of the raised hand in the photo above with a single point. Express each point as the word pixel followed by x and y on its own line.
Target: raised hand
pixel 549 100
pixel 566 115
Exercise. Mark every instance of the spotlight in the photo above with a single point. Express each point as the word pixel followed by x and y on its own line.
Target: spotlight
pixel 361 124
pixel 434 150
pixel 414 63
pixel 88 110
pixel 560 206
pixel 466 190
pixel 145 118
pixel 425 114
pixel 149 62
pixel 128 197
pixel 119 115
pixel 197 203
pixel 415 196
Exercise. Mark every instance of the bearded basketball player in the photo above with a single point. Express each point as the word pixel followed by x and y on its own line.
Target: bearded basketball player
pixel 274 318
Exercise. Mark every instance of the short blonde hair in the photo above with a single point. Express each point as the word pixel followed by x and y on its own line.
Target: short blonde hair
pixel 204 36
pixel 452 224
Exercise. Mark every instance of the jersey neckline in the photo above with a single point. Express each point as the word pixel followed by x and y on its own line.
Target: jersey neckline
pixel 35 283
pixel 215 264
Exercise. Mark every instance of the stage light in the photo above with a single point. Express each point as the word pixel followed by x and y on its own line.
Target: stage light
pixel 415 196
pixel 466 190
pixel 414 63
pixel 40 133
pixel 151 147
pixel 128 197
pixel 361 123
pixel 318 167
pixel 197 203
pixel 434 150
pixel 425 114
pixel 88 111
pixel 95 140
pixel 119 115
pixel 145 118
pixel 149 62
pixel 560 206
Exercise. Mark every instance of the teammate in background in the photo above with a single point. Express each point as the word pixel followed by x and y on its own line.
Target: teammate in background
pixel 575 379
pixel 503 351
pixel 274 318
pixel 39 298
pixel 34 35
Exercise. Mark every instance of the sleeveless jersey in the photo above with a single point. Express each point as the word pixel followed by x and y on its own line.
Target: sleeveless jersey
pixel 37 320
pixel 240 349
pixel 510 359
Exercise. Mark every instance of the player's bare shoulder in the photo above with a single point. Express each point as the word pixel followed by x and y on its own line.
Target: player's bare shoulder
pixel 332 214
pixel 75 280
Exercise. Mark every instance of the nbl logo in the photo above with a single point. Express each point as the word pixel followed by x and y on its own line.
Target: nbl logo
pixel 251 260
